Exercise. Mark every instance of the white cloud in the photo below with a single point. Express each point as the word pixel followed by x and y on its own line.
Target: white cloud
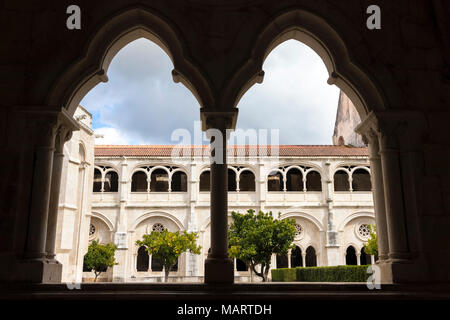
pixel 144 106
pixel 110 136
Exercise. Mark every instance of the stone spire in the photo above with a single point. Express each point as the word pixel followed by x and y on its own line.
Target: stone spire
pixel 347 118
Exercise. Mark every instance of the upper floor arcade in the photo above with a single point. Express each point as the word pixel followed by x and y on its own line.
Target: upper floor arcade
pixel 152 174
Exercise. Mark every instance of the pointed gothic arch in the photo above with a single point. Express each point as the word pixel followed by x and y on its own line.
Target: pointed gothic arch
pixel 118 31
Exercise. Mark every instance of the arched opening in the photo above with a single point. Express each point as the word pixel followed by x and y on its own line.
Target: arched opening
pixel 350 256
pixel 159 181
pixel 311 258
pixel 111 183
pixel 139 182
pixel 294 180
pixel 246 181
pixel 97 185
pixel 361 180
pixel 282 261
pixel 142 260
pixel 157 264
pixel 179 182
pixel 205 180
pixel 296 257
pixel 313 181
pixel 280 185
pixel 231 180
pixel 275 181
pixel 364 258
pixel 340 180
pixel 241 266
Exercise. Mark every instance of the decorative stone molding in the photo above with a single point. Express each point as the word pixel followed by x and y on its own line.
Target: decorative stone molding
pixel 116 32
pixel 220 120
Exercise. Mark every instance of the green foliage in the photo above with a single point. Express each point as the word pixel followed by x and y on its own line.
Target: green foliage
pixel 167 246
pixel 99 257
pixel 322 274
pixel 284 274
pixel 371 247
pixel 253 238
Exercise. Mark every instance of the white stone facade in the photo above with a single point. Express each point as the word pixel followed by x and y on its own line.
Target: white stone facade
pixel 328 220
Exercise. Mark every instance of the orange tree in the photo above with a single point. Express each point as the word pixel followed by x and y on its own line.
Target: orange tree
pixel 99 257
pixel 167 246
pixel 253 238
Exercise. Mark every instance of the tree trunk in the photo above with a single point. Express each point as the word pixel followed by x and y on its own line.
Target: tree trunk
pixel 266 272
pixel 166 273
pixel 259 274
pixel 96 275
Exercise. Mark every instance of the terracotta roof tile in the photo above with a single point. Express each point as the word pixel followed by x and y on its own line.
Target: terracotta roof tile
pixel 172 150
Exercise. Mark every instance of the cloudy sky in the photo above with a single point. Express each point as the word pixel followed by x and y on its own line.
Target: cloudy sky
pixel 140 104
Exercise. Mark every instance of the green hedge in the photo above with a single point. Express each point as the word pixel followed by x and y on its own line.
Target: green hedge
pixel 284 274
pixel 322 274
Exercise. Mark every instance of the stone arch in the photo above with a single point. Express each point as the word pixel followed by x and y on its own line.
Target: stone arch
pixel 353 216
pixel 304 215
pixel 104 219
pixel 119 30
pixel 350 254
pixel 311 256
pixel 81 152
pixel 107 164
pixel 152 214
pixel 321 37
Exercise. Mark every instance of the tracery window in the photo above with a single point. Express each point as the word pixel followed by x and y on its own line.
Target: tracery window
pixel 231 180
pixel 313 181
pixel 158 227
pixel 296 257
pixel 143 259
pixel 275 181
pixel 311 257
pixel 364 230
pixel 92 230
pixel 361 180
pixel 105 180
pixel 139 182
pixel 97 185
pixel 341 181
pixel 350 256
pixel 298 230
pixel 179 182
pixel 294 180
pixel 111 183
pixel 159 181
pixel 246 181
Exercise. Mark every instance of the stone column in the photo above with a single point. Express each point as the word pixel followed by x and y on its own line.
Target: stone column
pixel 63 134
pixel 392 181
pixel 40 194
pixel 332 245
pixel 218 266
pixel 378 196
pixel 42 128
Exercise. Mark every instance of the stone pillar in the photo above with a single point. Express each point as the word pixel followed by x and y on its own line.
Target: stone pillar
pixel 303 259
pixel 396 132
pixel 63 134
pixel 332 245
pixel 34 267
pixel 396 228
pixel 378 196
pixel 119 272
pixel 218 266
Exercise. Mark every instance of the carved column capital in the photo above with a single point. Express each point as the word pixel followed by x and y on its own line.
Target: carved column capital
pixel 221 120
pixel 395 130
